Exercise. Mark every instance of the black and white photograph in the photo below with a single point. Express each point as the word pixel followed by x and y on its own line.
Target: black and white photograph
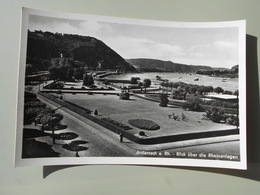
pixel 106 90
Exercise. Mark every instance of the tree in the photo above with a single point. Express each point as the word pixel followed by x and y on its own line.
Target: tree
pixel 210 88
pixel 134 80
pixel 88 80
pixel 179 94
pixel 236 92
pixel 163 99
pixel 147 83
pixel 78 73
pixel 70 74
pixel 192 89
pixel 193 104
pixel 215 115
pixel 54 120
pixel 218 90
pixel 54 73
pixel 59 73
pixel 227 92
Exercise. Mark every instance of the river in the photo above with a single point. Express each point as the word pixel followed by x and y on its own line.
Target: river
pixel 230 84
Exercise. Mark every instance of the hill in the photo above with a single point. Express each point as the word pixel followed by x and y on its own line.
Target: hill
pixel 153 65
pixel 86 52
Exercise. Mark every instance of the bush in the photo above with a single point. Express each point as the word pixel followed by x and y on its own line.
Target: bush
pixel 232 120
pixel 124 95
pixel 193 104
pixel 215 115
pixel 144 124
pixel 142 134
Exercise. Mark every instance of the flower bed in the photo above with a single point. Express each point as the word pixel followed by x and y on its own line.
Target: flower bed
pixel 73 147
pixel 144 124
pixel 116 123
pixel 66 136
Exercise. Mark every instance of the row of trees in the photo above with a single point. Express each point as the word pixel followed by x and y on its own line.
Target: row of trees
pixel 136 80
pixel 217 72
pixel 38 112
pixel 179 90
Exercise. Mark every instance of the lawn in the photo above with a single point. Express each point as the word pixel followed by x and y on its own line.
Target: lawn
pixel 137 108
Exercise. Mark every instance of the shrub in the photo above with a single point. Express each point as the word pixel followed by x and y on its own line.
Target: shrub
pixel 232 120
pixel 142 134
pixel 193 104
pixel 144 124
pixel 215 115
pixel 124 95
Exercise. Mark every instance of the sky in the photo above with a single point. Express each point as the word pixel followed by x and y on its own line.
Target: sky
pixel 216 47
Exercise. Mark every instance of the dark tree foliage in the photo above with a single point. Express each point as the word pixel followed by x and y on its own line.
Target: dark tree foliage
pixel 218 90
pixel 236 92
pixel 147 82
pixel 193 104
pixel 232 120
pixel 215 115
pixel 78 73
pixel 179 94
pixel 88 80
pixel 134 80
pixel 163 99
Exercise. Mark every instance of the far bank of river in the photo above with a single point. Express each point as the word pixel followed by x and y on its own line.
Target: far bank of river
pixel 230 84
